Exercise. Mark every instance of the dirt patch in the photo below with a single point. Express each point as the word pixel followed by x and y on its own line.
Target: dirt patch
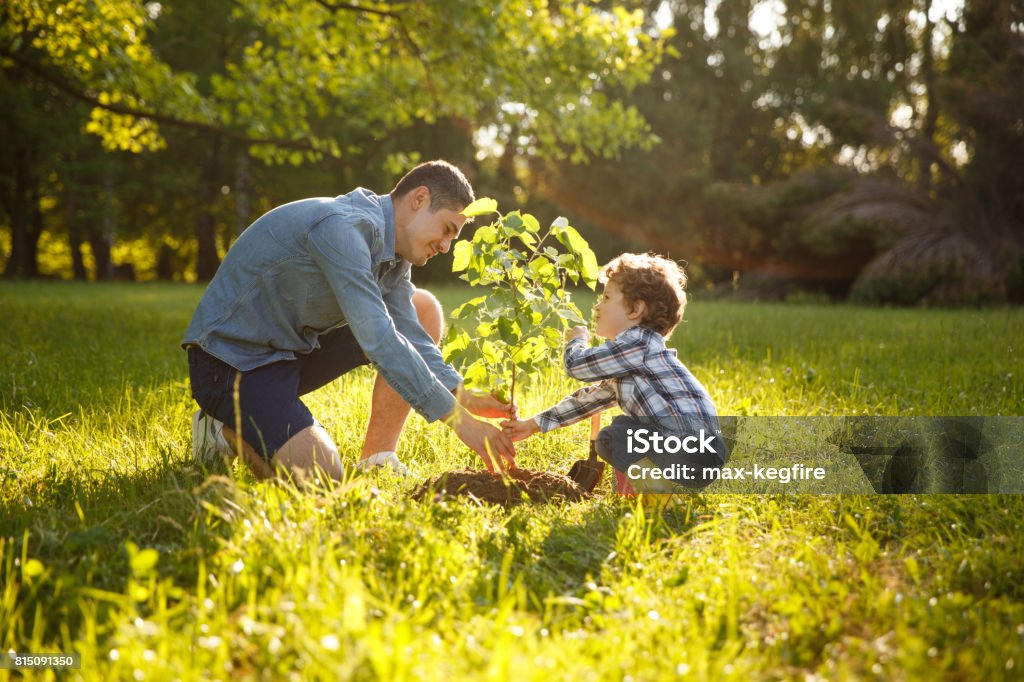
pixel 521 485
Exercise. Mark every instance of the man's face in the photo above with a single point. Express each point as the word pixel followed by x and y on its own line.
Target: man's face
pixel 429 233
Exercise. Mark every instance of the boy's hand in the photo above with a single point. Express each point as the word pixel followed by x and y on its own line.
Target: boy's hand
pixel 494 447
pixel 578 332
pixel 520 429
pixel 488 406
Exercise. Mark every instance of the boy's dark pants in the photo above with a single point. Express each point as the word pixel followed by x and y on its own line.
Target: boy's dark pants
pixel 613 446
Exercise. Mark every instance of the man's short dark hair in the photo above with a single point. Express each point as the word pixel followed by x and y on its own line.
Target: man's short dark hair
pixel 449 188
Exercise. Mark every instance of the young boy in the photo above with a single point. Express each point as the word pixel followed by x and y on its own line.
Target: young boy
pixel 670 423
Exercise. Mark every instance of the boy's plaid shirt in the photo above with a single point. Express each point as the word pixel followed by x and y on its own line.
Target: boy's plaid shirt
pixel 635 370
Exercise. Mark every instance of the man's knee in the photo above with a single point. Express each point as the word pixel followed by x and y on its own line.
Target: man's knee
pixel 429 312
pixel 307 450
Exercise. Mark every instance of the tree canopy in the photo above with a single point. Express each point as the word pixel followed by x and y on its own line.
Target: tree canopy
pixel 300 79
pixel 870 149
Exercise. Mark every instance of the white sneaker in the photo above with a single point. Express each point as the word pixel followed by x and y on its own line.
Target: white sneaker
pixel 208 442
pixel 383 459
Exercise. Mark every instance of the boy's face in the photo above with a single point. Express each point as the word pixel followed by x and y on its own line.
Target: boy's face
pixel 612 315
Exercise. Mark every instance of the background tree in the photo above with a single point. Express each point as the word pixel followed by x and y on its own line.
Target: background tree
pixel 831 147
pixel 301 81
pixel 869 148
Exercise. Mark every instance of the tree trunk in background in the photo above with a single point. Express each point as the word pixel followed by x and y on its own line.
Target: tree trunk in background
pixel 102 240
pixel 100 253
pixel 242 192
pixel 35 232
pixel 931 114
pixel 25 227
pixel 75 242
pixel 74 230
pixel 206 223
pixel 16 209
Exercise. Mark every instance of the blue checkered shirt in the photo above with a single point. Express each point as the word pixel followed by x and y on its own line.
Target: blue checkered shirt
pixel 635 371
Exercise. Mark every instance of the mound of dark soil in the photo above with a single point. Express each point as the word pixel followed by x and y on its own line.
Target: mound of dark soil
pixel 520 485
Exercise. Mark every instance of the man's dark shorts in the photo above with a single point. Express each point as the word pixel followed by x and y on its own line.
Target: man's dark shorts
pixel 269 397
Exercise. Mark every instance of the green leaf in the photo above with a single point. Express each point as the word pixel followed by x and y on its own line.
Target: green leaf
pixel 553 336
pixel 572 239
pixel 461 255
pixel 573 315
pixel 531 223
pixel 589 268
pixel 530 353
pixel 477 375
pixel 490 352
pixel 542 269
pixel 486 235
pixel 481 206
pixel 455 347
pixel 512 223
pixel 469 308
pixel 508 331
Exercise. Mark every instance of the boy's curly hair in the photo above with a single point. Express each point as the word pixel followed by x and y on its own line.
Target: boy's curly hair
pixel 659 282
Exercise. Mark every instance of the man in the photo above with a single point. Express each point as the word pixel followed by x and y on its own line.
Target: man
pixel 313 289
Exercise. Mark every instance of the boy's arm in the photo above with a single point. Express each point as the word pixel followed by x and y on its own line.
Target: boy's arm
pixel 580 405
pixel 613 359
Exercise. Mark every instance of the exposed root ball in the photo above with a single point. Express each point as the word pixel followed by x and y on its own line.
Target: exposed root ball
pixel 518 486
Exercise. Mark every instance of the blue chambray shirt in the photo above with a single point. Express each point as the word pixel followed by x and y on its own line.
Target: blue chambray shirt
pixel 311 266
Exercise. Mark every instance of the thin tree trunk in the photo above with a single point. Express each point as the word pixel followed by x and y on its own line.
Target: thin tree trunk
pixel 74 231
pixel 206 224
pixel 36 231
pixel 931 114
pixel 102 240
pixel 242 178
pixel 22 261
pixel 100 254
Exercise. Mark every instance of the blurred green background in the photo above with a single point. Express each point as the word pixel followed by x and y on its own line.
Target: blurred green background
pixel 800 149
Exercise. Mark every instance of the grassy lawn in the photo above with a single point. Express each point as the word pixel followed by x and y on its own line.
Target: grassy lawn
pixel 113 545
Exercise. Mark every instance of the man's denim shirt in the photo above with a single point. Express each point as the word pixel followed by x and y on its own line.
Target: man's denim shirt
pixel 314 265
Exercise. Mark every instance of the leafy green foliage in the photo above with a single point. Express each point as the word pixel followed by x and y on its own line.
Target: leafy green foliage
pixel 304 81
pixel 520 323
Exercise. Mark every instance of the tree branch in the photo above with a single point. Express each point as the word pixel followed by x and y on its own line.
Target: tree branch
pixel 345 6
pixel 76 92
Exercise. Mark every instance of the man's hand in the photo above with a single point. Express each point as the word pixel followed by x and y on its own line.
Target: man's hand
pixel 493 446
pixel 488 406
pixel 519 429
pixel 578 332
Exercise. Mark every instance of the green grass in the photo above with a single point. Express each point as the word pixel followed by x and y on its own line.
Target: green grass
pixel 113 545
